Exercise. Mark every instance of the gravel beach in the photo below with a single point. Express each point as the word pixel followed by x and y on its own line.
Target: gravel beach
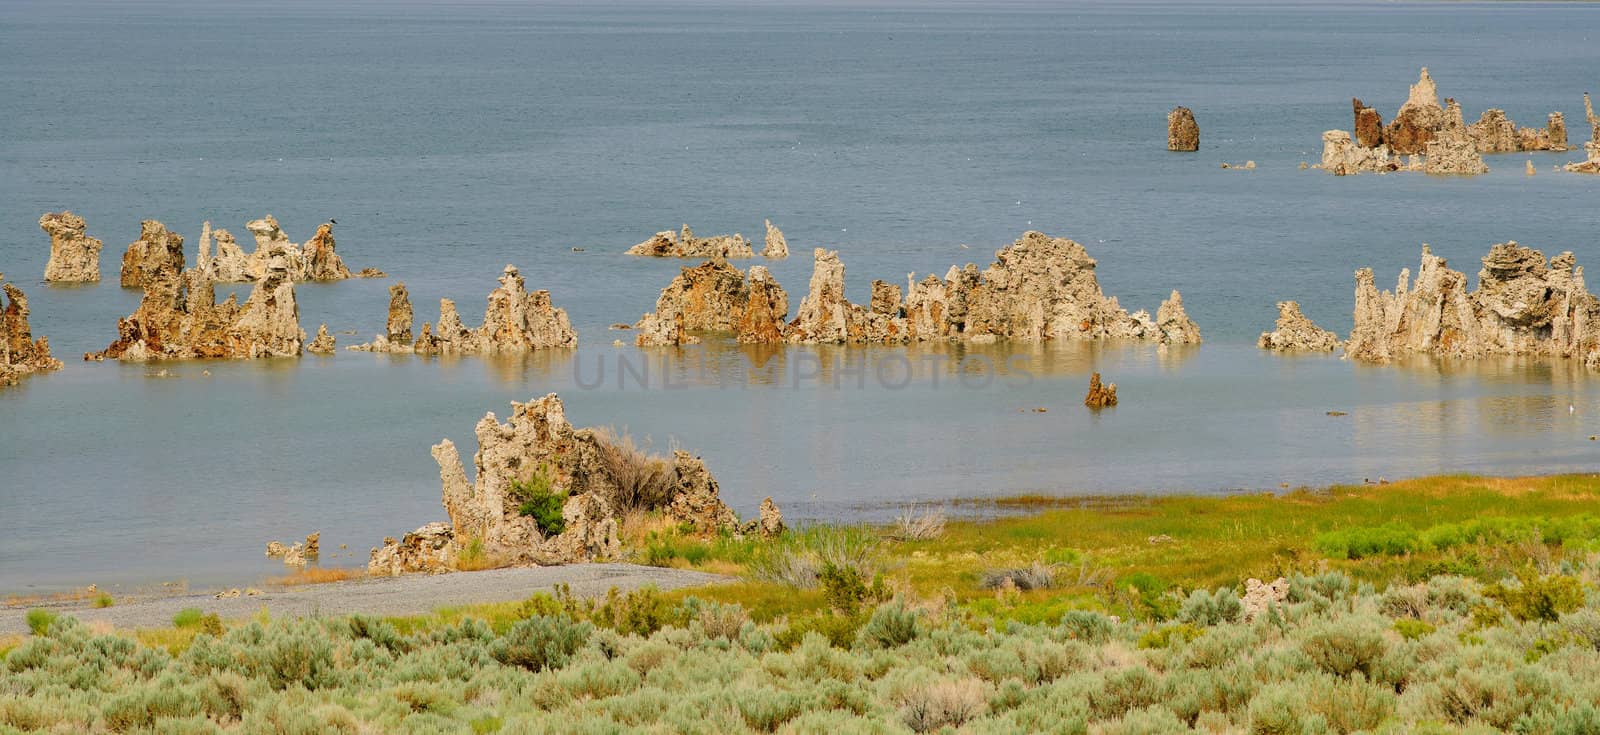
pixel 405 595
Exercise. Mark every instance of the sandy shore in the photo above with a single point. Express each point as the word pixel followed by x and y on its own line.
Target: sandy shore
pixel 407 595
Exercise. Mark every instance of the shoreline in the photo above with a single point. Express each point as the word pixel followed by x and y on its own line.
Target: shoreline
pixel 412 594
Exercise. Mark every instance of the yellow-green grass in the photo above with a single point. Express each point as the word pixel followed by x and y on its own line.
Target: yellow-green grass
pixel 1192 542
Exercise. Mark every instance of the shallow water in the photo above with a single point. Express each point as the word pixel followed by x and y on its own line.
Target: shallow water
pixel 450 139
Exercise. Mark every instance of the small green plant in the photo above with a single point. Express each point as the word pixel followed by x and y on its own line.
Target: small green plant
pixel 188 617
pixel 891 626
pixel 472 556
pixel 104 600
pixel 1211 608
pixel 1411 629
pixel 39 621
pixel 1534 597
pixel 1168 635
pixel 539 499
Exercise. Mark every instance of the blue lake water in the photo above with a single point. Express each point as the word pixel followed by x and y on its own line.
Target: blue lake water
pixel 449 139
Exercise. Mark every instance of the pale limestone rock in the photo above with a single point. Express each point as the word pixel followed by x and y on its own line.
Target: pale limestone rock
pixel 321 262
pixel 777 246
pixel 20 353
pixel 1523 305
pixel 1451 151
pixel 1530 170
pixel 314 545
pixel 537 439
pixel 1294 331
pixel 761 319
pixel 1494 132
pixel 667 244
pixel 515 322
pixel 1183 133
pixel 1260 598
pixel 1553 137
pixel 323 343
pixel 294 556
pixel 1590 165
pixel 1342 157
pixel 230 264
pixel 716 297
pixel 152 234
pixel 770 522
pixel 178 317
pixel 400 314
pixel 74 256
pixel 272 244
pixel 276 549
pixel 1173 325
pixel 825 315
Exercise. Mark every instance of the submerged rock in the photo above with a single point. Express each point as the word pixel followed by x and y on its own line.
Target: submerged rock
pixel 1294 331
pixel 537 448
pixel 667 244
pixel 152 234
pixel 1100 394
pixel 20 354
pixel 514 322
pixel 74 256
pixel 1183 133
pixel 178 317
pixel 1524 305
pixel 777 246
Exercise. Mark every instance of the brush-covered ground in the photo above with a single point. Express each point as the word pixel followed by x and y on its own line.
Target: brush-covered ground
pixel 1438 605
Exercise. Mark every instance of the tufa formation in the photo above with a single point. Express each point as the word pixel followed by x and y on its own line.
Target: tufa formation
pixel 74 256
pixel 20 354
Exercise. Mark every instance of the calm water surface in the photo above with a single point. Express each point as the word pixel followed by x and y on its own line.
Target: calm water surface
pixel 451 139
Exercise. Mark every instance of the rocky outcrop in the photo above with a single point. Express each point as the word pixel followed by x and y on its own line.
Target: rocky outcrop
pixel 1451 151
pixel 777 246
pixel 1183 134
pixel 770 522
pixel 537 447
pixel 1523 305
pixel 178 317
pixel 1368 125
pixel 1590 165
pixel 317 260
pixel 1260 597
pixel 323 343
pixel 321 262
pixel 718 298
pixel 74 256
pixel 20 353
pixel 1294 331
pixel 1342 157
pixel 1100 395
pixel 230 264
pixel 514 322
pixel 152 234
pixel 399 322
pixel 1422 123
pixel 667 244
pixel 1419 119
pixel 1039 288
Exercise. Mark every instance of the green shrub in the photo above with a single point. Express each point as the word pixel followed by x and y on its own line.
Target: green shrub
pixel 1411 629
pixel 1213 608
pixel 104 600
pixel 840 630
pixel 638 612
pixel 891 626
pixel 1149 593
pixel 39 621
pixel 1538 598
pixel 1356 543
pixel 541 642
pixel 1344 647
pixel 1167 635
pixel 1087 626
pixel 188 617
pixel 539 499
